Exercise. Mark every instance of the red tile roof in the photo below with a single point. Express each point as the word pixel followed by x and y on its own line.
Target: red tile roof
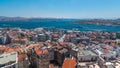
pixel 106 47
pixel 113 44
pixel 38 44
pixel 2 48
pixel 21 57
pixel 45 51
pixel 38 51
pixel 55 35
pixel 9 50
pixel 63 43
pixel 69 63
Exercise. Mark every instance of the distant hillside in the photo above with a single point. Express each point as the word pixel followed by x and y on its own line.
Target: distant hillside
pixel 115 22
pixel 3 18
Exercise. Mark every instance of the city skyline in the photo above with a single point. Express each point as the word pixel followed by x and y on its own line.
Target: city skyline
pixel 60 8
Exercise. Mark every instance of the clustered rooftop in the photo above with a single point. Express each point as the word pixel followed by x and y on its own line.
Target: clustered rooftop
pixel 58 48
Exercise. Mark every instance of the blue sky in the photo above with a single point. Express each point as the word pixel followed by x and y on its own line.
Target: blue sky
pixel 61 8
